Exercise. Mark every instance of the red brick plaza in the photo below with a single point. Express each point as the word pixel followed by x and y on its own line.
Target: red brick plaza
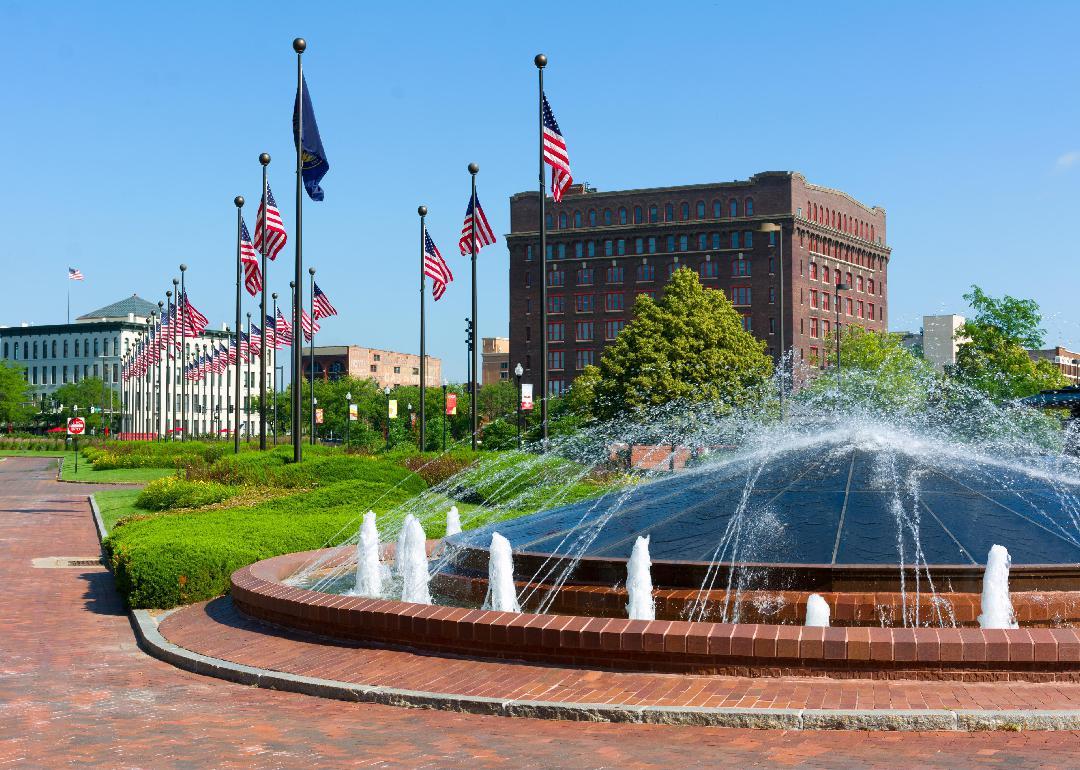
pixel 76 690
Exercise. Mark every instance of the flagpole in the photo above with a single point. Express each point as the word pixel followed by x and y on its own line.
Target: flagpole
pixel 247 385
pixel 311 358
pixel 541 61
pixel 274 372
pixel 69 301
pixel 299 45
pixel 159 408
pixel 422 211
pixel 239 202
pixel 166 416
pixel 474 169
pixel 264 159
pixel 183 355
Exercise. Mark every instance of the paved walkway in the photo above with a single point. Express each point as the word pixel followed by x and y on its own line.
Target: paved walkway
pixel 217 630
pixel 75 691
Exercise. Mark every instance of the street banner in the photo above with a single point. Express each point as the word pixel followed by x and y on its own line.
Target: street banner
pixel 353 412
pixel 451 403
pixel 392 409
pixel 318 417
pixel 526 397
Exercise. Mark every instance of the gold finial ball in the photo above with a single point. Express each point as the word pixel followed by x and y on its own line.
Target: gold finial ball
pixel 264 158
pixel 474 168
pixel 239 201
pixel 299 45
pixel 540 61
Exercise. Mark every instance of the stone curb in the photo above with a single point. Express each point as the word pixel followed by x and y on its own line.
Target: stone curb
pixel 154 644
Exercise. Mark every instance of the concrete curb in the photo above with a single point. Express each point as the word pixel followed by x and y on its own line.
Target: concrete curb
pixel 154 644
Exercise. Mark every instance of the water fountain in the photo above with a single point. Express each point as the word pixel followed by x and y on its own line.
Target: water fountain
pixel 639 582
pixel 817 611
pixel 502 595
pixel 997 609
pixel 411 562
pixel 368 567
pixel 453 521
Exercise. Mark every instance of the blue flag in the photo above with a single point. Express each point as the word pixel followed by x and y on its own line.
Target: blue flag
pixel 313 157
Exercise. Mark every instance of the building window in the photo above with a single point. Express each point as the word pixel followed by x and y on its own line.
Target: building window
pixel 871 309
pixel 652 245
pixel 562 220
pixel 813 271
pixel 607 216
pixel 733 208
pixel 825 326
pixel 616 274
pixel 639 245
pixel 579 249
pixel 826 300
pixel 556 331
pixel 825 273
pixel 669 213
pixel 555 360
pixel 577 219
pixel 709 269
pixel 749 207
pixel 608 249
pixel 614 301
pixel 813 298
pixel 556 304
pixel 717 209
pixel 701 209
pixel 585 276
pixel 528 253
pixel 748 239
pixel 637 215
pixel 556 387
pixel 646 272
pixel 684 209
pixel 772 265
pixel 550 251
pixel 650 294
pixel 612 328
pixel 528 278
pixel 65 367
pixel 583 331
pixel 684 243
pixel 583 358
pixel 715 240
pixel 76 348
pixel 740 295
pixel 671 268
pixel 772 326
pixel 860 283
pixel 870 285
pixel 591 248
pixel 848 281
pixel 620 247
pixel 562 251
pixel 584 303
pixel 740 267
pixel 592 217
pixel 374 368
pixel 860 309
pixel 35 349
pixel 556 278
pixel 622 215
pixel 772 295
pixel 670 243
pixel 747 325
pixel 735 240
pixel 653 214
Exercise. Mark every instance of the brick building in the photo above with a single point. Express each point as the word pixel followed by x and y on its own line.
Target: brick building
pixel 605 248
pixel 1065 360
pixel 495 364
pixel 386 367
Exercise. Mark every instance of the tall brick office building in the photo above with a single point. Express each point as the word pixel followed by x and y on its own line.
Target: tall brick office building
pixel 605 248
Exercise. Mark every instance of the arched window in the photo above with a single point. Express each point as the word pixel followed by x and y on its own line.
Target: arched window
pixel 748 207
pixel 562 220
pixel 709 269
pixel 637 215
pixel 654 214
pixel 577 219
pixel 550 221
pixel 591 249
pixel 716 240
pixel 669 213
pixel 592 217
pixel 733 208
pixel 684 209
pixel 622 215
pixel 872 232
pixel 740 267
pixel 701 209
pixel 607 216
pixel 735 240
pixel 684 243
pixel 717 209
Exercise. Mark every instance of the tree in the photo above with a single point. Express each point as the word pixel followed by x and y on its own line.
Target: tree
pixel 992 355
pixel 15 399
pixel 90 395
pixel 689 345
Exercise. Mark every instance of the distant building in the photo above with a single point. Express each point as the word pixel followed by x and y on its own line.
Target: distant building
pixel 386 367
pixel 939 341
pixel 913 341
pixel 1067 361
pixel 56 354
pixel 496 360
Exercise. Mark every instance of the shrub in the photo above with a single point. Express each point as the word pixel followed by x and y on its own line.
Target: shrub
pixel 170 492
pixel 436 470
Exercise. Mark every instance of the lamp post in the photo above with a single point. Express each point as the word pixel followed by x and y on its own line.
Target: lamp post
pixel 348 415
pixel 444 415
pixel 159 407
pixel 411 422
pixel 264 161
pixel 183 354
pixel 772 227
pixel 386 390
pixel 518 371
pixel 314 403
pixel 276 367
pixel 839 288
pixel 279 376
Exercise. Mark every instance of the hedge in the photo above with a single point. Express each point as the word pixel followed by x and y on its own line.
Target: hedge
pixel 170 492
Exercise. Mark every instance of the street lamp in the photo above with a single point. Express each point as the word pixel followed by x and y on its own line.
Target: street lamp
pixel 314 403
pixel 518 371
pixel 444 415
pixel 772 227
pixel 411 422
pixel 348 415
pixel 386 390
pixel 839 288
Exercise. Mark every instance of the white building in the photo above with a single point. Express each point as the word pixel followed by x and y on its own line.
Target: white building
pixel 94 346
pixel 939 340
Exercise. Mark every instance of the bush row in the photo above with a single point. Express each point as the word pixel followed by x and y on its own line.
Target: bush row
pixel 171 492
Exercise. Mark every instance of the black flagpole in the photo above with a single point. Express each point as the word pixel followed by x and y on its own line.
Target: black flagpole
pixel 183 355
pixel 299 44
pixel 264 159
pixel 541 61
pixel 311 359
pixel 170 388
pixel 473 170
pixel 247 386
pixel 422 211
pixel 239 201
pixel 274 369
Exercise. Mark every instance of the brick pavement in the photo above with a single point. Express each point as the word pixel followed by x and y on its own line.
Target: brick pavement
pixel 75 691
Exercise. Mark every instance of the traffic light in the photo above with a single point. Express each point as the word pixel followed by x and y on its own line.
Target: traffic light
pixel 469 333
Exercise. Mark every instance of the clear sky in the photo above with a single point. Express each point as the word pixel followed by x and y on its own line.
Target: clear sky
pixel 130 127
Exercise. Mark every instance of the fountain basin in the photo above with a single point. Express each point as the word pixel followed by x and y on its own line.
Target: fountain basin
pixel 1033 654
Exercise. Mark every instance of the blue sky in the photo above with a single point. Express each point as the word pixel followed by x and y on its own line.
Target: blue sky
pixel 131 126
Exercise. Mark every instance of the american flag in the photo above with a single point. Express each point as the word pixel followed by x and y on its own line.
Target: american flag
pixel 275 228
pixel 271 332
pixel 195 321
pixel 250 260
pixel 283 329
pixel 232 350
pixel 555 154
pixel 75 274
pixel 484 234
pixel 255 341
pixel 435 268
pixel 320 304
pixel 309 326
pixel 244 347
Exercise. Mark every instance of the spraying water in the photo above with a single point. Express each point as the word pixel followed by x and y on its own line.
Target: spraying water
pixel 997 609
pixel 639 582
pixel 453 521
pixel 817 611
pixel 411 562
pixel 502 594
pixel 368 568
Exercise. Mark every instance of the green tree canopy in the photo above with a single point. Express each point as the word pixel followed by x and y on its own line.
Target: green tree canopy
pixel 90 395
pixel 992 355
pixel 689 345
pixel 15 400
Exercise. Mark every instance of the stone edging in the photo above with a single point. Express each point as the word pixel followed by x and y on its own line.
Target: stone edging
pixel 154 644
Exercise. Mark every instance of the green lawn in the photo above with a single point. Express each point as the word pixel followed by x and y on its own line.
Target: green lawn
pixel 121 475
pixel 33 453
pixel 115 504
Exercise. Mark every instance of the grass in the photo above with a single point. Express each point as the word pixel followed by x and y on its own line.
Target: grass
pixel 32 453
pixel 115 504
pixel 116 475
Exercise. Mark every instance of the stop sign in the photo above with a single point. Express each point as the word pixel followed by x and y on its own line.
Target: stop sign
pixel 76 426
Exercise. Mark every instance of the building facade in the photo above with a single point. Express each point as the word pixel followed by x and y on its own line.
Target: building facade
pixel 606 248
pixel 495 365
pixel 96 345
pixel 386 367
pixel 1065 360
pixel 940 341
